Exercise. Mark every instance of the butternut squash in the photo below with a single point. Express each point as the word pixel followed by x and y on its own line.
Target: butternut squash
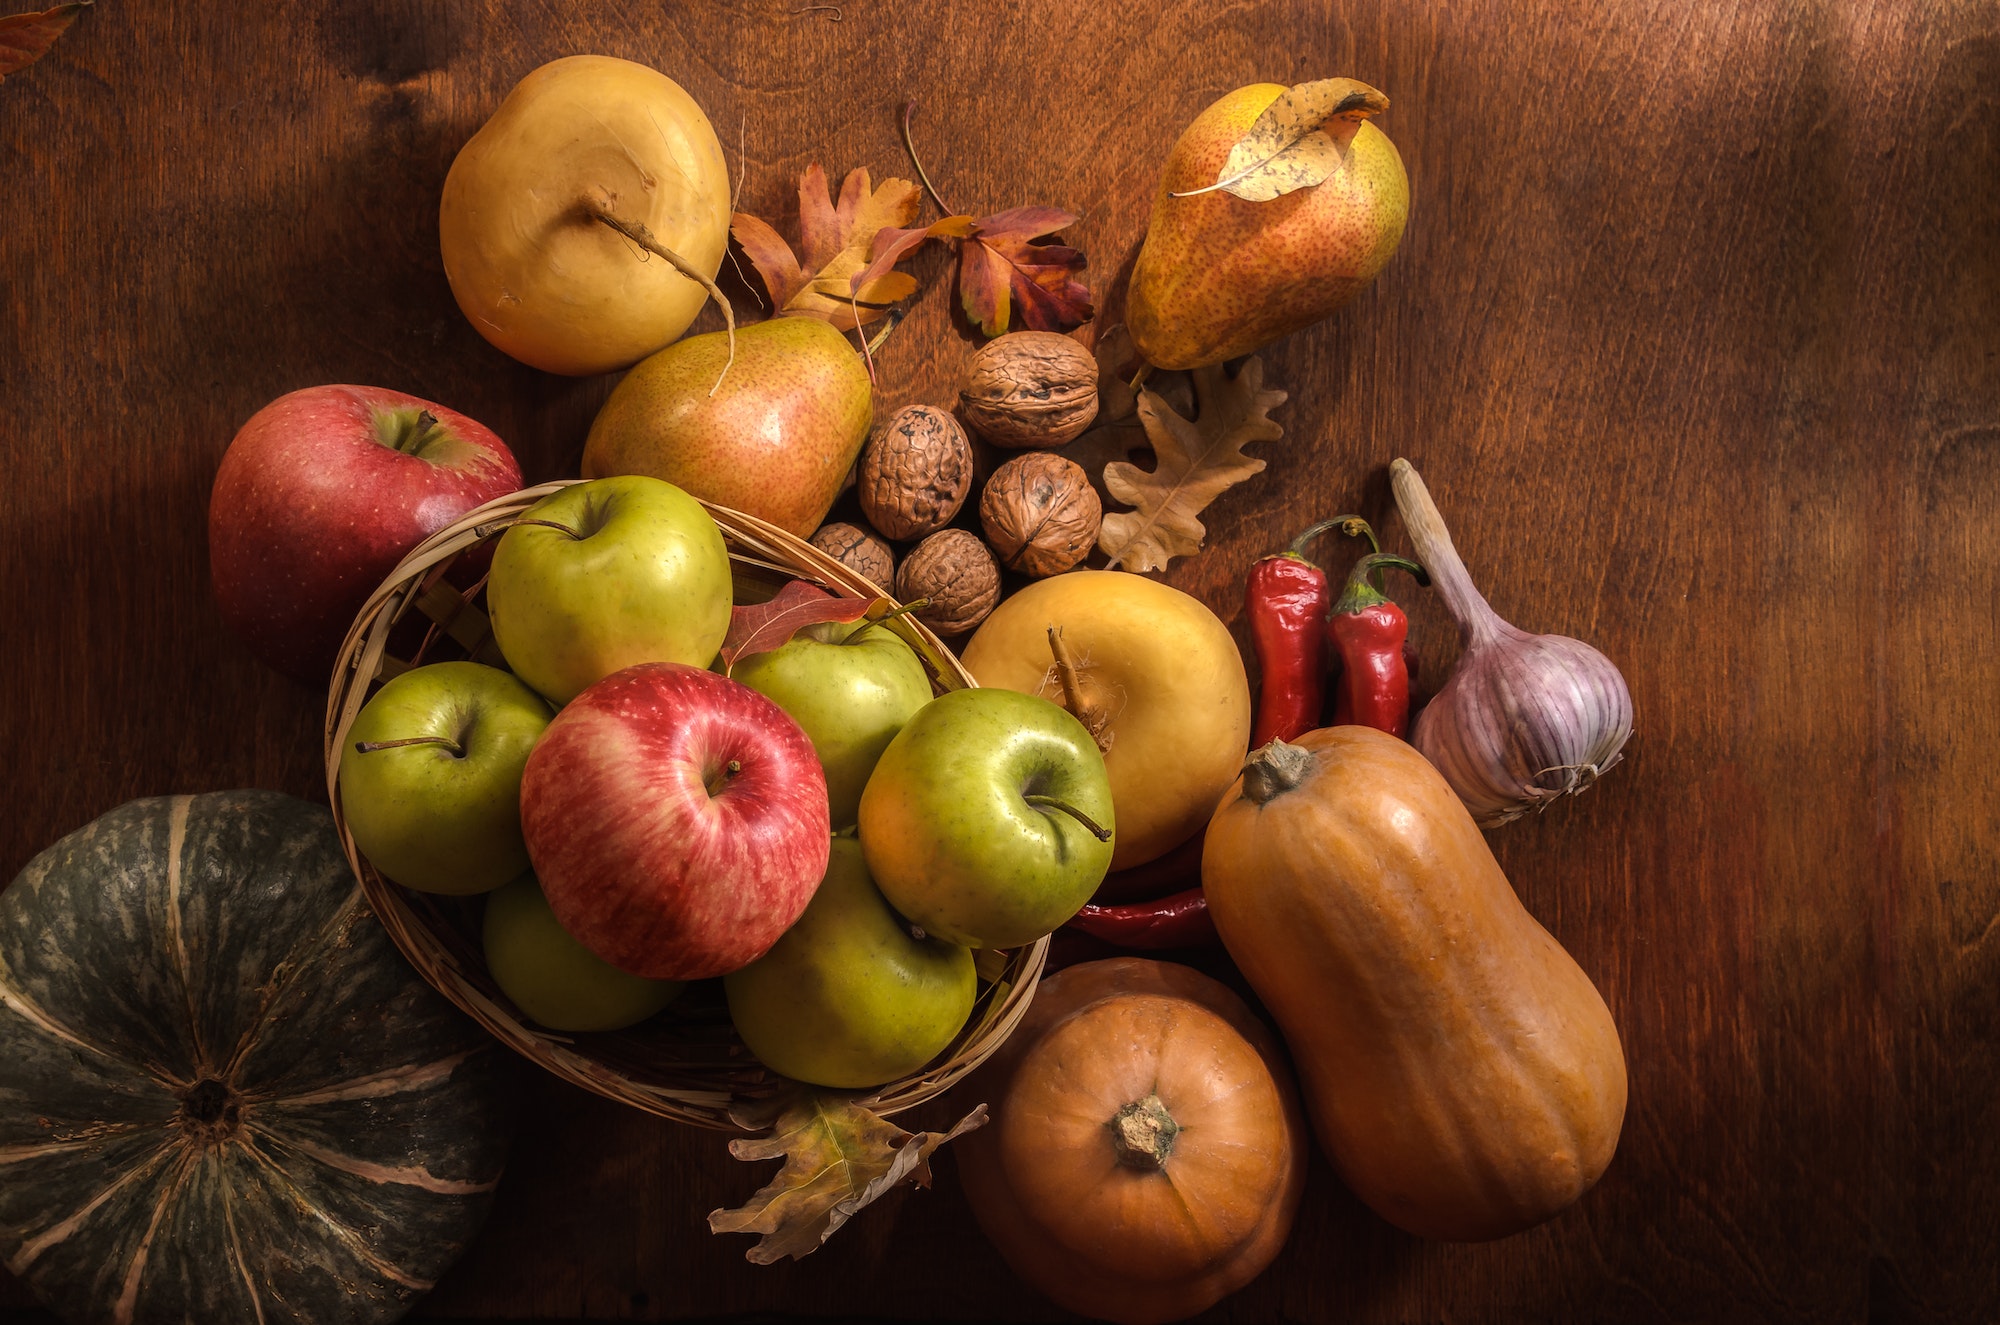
pixel 1460 1069
pixel 1147 1149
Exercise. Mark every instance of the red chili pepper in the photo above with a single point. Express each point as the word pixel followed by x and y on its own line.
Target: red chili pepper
pixel 1286 600
pixel 1367 631
pixel 1179 921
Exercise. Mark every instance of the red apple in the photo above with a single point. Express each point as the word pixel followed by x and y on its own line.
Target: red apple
pixel 319 496
pixel 677 819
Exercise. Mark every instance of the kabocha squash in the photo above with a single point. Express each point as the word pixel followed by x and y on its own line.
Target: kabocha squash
pixel 224 1096
pixel 1147 1150
pixel 1461 1071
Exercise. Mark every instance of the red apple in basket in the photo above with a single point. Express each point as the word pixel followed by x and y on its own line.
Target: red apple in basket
pixel 319 496
pixel 677 819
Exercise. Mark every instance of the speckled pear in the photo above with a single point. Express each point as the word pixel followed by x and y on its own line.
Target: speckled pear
pixel 1220 276
pixel 776 440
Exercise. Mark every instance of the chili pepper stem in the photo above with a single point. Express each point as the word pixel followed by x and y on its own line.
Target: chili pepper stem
pixel 1351 525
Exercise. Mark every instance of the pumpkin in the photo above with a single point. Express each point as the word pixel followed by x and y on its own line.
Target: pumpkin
pixel 1147 1149
pixel 1461 1070
pixel 224 1096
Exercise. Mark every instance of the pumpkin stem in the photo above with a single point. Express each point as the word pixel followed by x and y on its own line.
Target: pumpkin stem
pixel 1275 769
pixel 1142 1134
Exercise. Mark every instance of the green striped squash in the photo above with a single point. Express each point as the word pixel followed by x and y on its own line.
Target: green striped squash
pixel 224 1095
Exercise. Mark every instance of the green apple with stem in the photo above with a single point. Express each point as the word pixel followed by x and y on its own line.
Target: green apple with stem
pixel 555 979
pixel 851 996
pixel 430 776
pixel 851 685
pixel 604 575
pixel 988 819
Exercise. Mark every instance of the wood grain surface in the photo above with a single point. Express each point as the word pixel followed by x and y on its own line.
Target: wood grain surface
pixel 1695 334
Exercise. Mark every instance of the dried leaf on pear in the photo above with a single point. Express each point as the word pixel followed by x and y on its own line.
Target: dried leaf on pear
pixel 1197 460
pixel 1298 141
pixel 839 1158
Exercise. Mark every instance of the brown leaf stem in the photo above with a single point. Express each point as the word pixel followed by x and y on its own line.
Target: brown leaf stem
pixel 916 163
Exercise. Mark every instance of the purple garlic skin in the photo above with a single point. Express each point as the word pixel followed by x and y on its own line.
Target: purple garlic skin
pixel 1524 719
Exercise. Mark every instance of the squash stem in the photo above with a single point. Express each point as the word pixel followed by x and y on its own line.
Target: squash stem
pixel 1142 1134
pixel 1275 769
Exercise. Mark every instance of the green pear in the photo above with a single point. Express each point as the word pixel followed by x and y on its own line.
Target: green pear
pixel 777 438
pixel 1219 276
pixel 849 996
pixel 852 686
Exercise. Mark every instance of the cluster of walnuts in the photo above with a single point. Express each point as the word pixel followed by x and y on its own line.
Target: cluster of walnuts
pixel 1028 389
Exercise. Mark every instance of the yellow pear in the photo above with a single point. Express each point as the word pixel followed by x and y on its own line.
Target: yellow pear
pixel 530 261
pixel 1220 275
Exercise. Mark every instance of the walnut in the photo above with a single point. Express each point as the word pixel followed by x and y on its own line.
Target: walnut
pixel 859 551
pixel 1040 513
pixel 915 472
pixel 1029 389
pixel 955 571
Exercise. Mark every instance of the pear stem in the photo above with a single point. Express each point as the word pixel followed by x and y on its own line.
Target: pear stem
pixel 1097 830
pixel 1091 715
pixel 370 747
pixel 598 203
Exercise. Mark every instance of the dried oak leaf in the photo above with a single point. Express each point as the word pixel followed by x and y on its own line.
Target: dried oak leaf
pixel 1198 461
pixel 836 238
pixel 839 1157
pixel 1001 268
pixel 25 38
pixel 762 627
pixel 1298 141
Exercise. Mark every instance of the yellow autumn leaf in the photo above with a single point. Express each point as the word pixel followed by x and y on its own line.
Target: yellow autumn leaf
pixel 1197 461
pixel 839 1157
pixel 1299 140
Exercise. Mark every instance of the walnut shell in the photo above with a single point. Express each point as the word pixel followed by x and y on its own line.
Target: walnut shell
pixel 915 472
pixel 1040 513
pixel 1029 389
pixel 957 573
pixel 859 551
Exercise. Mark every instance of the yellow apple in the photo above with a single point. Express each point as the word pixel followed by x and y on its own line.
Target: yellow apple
pixel 1158 678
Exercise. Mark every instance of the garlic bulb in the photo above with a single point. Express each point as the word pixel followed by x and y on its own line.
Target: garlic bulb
pixel 1523 719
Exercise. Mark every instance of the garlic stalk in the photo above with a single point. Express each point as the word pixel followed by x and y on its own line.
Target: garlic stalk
pixel 1523 719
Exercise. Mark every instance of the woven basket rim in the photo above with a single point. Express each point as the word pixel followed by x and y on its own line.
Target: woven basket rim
pixel 714 1095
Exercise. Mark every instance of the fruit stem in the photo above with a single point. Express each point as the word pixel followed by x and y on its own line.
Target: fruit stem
pixel 1143 1133
pixel 1091 715
pixel 1275 769
pixel 907 608
pixel 910 146
pixel 551 524
pixel 892 319
pixel 370 747
pixel 1097 830
pixel 598 203
pixel 718 782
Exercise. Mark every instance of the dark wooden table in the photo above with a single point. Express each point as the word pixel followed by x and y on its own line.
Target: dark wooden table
pixel 1695 332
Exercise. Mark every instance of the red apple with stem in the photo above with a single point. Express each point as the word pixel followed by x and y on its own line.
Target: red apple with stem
pixel 677 820
pixel 319 496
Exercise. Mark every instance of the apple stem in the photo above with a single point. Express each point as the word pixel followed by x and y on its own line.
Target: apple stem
pixel 718 783
pixel 917 606
pixel 1092 716
pixel 1101 833
pixel 598 203
pixel 370 747
pixel 551 524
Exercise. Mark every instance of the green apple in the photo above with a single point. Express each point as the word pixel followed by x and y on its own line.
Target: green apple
pixel 852 686
pixel 430 776
pixel 553 978
pixel 603 575
pixel 848 997
pixel 988 819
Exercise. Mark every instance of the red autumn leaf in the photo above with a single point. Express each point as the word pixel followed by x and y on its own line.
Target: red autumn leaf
pixel 836 238
pixel 25 38
pixel 762 627
pixel 1001 270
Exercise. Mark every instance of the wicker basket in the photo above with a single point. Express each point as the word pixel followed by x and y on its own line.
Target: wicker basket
pixel 687 1063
